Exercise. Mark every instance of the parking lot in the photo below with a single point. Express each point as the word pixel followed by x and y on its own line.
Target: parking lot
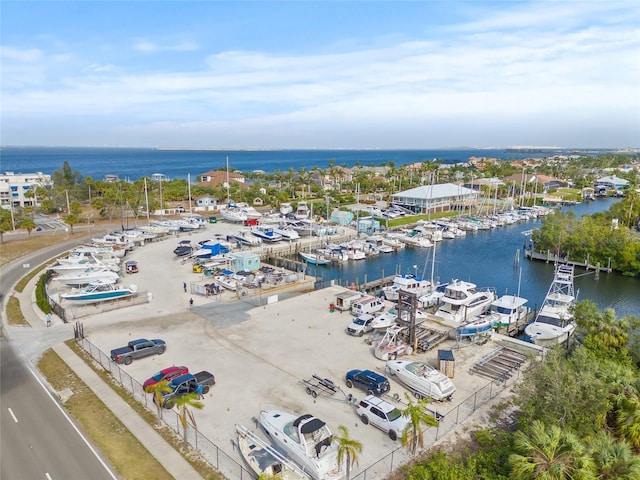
pixel 259 351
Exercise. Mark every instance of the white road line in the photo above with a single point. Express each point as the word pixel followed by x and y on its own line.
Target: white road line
pixel 106 467
pixel 48 476
pixel 12 414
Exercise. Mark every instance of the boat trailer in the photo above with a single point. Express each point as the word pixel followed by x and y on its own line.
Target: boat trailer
pixel 316 385
pixel 499 364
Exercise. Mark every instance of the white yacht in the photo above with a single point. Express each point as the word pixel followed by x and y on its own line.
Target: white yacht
pixel 509 309
pixel 306 440
pixel 463 301
pixel 233 214
pixel 302 210
pixel 408 283
pixel 554 323
pixel 422 379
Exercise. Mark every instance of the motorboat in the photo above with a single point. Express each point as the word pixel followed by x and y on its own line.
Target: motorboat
pixel 314 259
pixel 90 275
pixel 433 298
pixel 99 292
pixel 302 210
pixel 233 214
pixel 287 232
pixel 264 459
pixel 244 237
pixel 183 249
pixel 391 346
pixel 266 234
pixel 286 208
pixel 463 301
pixel 509 309
pixel 422 379
pixel 554 323
pixel 482 325
pixel 306 440
pixel 226 281
pixel 407 283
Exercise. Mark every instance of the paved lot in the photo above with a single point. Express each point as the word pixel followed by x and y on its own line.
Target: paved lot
pixel 258 352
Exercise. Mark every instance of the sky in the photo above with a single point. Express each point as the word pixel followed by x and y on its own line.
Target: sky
pixel 301 74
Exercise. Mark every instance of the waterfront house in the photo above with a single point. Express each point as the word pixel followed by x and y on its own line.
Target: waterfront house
pixel 611 182
pixel 442 197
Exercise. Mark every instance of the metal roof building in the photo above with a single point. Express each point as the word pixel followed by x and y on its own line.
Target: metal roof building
pixel 442 197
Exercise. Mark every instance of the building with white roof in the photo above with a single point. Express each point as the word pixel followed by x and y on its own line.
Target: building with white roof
pixel 14 188
pixel 611 182
pixel 442 197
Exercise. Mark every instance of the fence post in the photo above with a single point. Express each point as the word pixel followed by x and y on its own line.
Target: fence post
pixel 475 398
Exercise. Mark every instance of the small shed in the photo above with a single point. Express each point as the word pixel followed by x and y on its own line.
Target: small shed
pixel 345 299
pixel 368 225
pixel 341 217
pixel 446 362
pixel 245 261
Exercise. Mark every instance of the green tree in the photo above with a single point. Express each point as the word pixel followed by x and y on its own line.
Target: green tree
pixel 185 403
pixel 614 459
pixel 348 449
pixel 28 224
pixel 413 434
pixel 549 453
pixel 6 224
pixel 157 390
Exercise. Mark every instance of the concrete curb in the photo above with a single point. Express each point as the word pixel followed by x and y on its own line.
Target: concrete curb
pixel 157 446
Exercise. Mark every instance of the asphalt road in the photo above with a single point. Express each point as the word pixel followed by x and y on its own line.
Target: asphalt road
pixel 37 439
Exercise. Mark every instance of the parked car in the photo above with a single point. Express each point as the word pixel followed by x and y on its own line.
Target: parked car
pixel 383 415
pixel 185 384
pixel 371 382
pixel 360 325
pixel 165 374
pixel 131 266
pixel 138 349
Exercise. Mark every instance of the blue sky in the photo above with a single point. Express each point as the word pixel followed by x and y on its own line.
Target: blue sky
pixel 298 74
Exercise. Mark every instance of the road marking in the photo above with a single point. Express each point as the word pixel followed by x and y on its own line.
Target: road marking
pixel 12 414
pixel 73 425
pixel 48 476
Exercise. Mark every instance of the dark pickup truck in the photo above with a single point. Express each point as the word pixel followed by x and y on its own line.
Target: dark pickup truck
pixel 138 349
pixel 188 383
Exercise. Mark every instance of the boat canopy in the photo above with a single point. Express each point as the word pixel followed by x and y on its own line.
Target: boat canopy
pixel 309 423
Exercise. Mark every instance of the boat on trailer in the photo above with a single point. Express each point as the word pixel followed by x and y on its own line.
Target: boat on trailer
pixel 264 459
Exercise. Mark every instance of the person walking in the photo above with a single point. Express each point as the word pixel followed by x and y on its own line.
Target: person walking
pixel 47 319
pixel 184 285
pixel 191 302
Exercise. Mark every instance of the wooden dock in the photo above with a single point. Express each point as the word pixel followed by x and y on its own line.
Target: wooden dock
pixel 551 257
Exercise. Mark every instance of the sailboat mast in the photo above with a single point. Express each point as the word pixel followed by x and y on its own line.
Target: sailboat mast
pixel 228 201
pixel 189 185
pixel 146 198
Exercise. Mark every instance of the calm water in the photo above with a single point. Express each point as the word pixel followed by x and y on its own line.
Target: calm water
pixel 134 163
pixel 486 258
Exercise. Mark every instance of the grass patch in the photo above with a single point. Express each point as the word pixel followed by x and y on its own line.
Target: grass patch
pixel 12 249
pixel 199 464
pixel 14 313
pixel 130 459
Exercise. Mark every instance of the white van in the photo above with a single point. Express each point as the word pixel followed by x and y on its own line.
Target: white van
pixel 367 305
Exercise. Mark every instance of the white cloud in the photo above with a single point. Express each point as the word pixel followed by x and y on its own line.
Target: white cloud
pixel 147 46
pixel 20 55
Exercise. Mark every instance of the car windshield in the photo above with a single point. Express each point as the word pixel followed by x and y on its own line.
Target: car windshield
pixel 358 321
pixel 394 414
pixel 158 376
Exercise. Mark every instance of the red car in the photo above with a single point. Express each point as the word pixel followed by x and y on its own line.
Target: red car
pixel 165 374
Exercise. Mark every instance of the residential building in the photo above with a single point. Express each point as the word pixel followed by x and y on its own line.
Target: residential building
pixel 14 188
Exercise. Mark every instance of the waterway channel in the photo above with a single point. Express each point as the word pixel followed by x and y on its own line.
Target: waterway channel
pixel 487 258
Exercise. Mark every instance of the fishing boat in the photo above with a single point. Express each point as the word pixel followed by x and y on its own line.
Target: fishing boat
pixel 226 281
pixel 287 232
pixel 482 325
pixel 314 259
pixel 509 310
pixel 305 439
pixel 264 459
pixel 302 210
pixel 90 275
pixel 266 234
pixel 463 301
pixel 554 323
pixel 99 292
pixel 286 209
pixel 244 237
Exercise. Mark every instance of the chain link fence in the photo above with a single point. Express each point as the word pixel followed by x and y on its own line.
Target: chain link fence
pixel 212 453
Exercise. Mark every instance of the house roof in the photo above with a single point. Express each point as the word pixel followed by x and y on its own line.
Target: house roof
pixel 612 179
pixel 442 190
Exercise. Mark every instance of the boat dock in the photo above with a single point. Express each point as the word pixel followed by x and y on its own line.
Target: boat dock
pixel 550 257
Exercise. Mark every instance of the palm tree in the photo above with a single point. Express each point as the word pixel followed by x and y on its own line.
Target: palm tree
pixel 348 449
pixel 614 459
pixel 158 390
pixel 413 434
pixel 184 404
pixel 628 420
pixel 550 453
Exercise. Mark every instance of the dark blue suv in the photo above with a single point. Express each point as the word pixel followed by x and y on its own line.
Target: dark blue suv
pixel 371 382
